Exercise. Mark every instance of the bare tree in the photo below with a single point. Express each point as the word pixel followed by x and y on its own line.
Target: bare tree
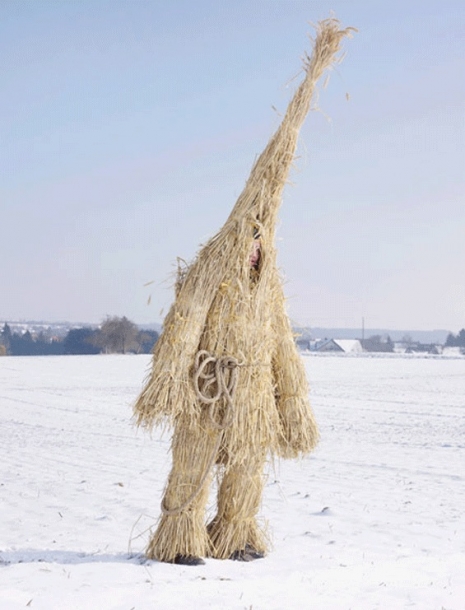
pixel 118 335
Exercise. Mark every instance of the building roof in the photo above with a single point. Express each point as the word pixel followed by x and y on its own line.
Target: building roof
pixel 349 345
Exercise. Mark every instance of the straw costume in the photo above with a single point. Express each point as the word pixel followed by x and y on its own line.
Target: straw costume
pixel 226 373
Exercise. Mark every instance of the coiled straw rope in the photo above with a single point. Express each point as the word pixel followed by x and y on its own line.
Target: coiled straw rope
pixel 224 387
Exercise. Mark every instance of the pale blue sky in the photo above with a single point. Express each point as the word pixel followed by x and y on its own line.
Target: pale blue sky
pixel 128 129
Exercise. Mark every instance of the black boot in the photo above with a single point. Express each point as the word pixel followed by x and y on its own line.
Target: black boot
pixel 247 554
pixel 188 560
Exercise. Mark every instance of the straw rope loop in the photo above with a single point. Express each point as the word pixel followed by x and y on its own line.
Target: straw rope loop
pixel 223 373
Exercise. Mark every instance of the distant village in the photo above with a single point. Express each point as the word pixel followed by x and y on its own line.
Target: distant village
pixel 120 335
pixel 454 345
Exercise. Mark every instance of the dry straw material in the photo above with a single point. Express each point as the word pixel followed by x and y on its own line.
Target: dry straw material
pixel 226 373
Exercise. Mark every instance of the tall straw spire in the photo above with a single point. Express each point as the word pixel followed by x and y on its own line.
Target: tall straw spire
pixel 261 196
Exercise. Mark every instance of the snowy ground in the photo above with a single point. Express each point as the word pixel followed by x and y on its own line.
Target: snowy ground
pixel 374 519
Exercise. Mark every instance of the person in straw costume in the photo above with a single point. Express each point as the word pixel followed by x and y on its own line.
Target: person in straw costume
pixel 226 373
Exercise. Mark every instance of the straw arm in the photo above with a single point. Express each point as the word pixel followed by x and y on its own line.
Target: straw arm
pixel 299 432
pixel 169 390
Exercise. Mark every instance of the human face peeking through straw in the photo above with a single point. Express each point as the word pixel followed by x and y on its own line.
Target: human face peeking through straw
pixel 254 257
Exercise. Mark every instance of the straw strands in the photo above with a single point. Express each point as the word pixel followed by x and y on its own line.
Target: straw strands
pixel 226 309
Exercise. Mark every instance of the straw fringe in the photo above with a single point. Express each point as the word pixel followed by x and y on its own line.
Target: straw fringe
pixel 226 538
pixel 239 497
pixel 182 534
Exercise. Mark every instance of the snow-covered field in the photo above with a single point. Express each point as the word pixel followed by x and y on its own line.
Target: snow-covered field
pixel 373 519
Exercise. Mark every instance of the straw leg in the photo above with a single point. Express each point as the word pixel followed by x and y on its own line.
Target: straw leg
pixel 239 497
pixel 183 532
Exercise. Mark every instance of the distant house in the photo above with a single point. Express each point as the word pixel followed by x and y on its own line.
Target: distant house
pixel 453 351
pixel 327 345
pixel 424 348
pixel 349 346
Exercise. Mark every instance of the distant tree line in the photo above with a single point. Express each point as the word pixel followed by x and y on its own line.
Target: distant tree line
pixel 121 336
pixel 456 340
pixel 114 336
